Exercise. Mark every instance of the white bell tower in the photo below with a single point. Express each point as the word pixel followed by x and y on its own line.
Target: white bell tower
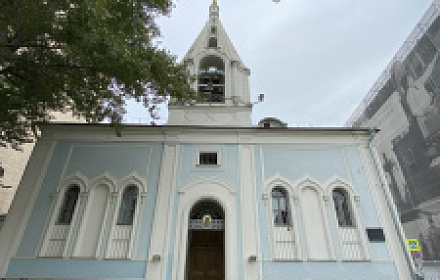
pixel 221 79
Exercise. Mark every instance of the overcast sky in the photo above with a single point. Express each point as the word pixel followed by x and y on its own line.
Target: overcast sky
pixel 314 60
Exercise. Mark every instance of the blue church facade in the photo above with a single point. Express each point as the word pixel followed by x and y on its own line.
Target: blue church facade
pixel 207 196
pixel 163 164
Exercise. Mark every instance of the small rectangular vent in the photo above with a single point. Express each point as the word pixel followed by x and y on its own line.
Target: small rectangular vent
pixel 375 235
pixel 208 159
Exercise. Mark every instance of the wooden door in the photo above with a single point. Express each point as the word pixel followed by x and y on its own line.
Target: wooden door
pixel 205 255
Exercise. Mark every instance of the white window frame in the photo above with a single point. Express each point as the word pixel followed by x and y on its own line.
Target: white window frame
pixel 208 149
pixel 354 208
pixel 57 202
pixel 131 180
pixel 291 196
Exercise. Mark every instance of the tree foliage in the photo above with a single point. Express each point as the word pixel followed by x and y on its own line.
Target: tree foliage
pixel 83 56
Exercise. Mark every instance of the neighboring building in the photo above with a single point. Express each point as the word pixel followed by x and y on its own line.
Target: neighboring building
pixel 206 197
pixel 405 105
pixel 2 221
pixel 13 162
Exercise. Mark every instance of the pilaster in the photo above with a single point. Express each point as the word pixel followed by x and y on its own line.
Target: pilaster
pixel 159 244
pixel 249 215
pixel 24 200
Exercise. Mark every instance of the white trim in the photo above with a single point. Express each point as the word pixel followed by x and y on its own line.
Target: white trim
pixel 75 179
pixel 57 201
pixel 202 181
pixel 163 214
pixel 195 192
pixel 278 181
pixel 396 251
pixel 131 180
pixel 21 207
pixel 354 207
pixel 338 182
pixel 109 182
pixel 105 179
pixel 309 182
pixel 250 226
pixel 208 149
pixel 135 135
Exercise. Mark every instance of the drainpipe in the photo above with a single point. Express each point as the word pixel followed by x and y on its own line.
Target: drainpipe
pixel 397 225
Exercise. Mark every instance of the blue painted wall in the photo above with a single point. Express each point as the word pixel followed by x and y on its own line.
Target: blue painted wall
pixel 328 271
pixel 189 171
pixel 320 163
pixel 92 160
pixel 120 159
pixel 59 268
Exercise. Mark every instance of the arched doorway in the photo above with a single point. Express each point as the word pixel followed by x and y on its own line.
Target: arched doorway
pixel 206 239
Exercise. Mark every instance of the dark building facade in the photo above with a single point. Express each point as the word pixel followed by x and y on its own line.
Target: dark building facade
pixel 405 104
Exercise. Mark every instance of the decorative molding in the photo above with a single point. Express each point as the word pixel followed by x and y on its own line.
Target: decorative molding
pixel 278 180
pixel 75 179
pixel 308 182
pixel 105 179
pixel 193 192
pixel 203 181
pixel 337 182
pixel 133 179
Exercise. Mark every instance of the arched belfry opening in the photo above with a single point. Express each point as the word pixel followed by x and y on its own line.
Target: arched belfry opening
pixel 212 42
pixel 212 79
pixel 206 242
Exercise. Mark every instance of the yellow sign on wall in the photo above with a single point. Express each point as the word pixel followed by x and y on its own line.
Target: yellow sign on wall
pixel 413 244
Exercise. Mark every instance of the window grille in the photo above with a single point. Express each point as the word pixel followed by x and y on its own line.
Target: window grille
pixel 128 206
pixel 342 208
pixel 208 159
pixel 67 209
pixel 280 208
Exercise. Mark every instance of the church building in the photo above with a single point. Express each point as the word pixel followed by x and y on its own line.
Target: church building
pixel 207 196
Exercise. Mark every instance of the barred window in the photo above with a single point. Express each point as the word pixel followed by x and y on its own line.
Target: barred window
pixel 128 206
pixel 67 209
pixel 280 207
pixel 208 159
pixel 342 209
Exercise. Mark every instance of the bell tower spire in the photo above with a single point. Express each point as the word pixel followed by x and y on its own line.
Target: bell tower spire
pixel 213 10
pixel 221 80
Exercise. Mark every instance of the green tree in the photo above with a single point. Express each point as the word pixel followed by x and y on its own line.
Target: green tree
pixel 83 56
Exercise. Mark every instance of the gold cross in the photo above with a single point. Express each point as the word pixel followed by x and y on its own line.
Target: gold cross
pixel 214 2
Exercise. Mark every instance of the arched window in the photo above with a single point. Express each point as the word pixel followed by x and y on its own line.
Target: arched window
pixel 67 209
pixel 342 208
pixel 212 42
pixel 128 206
pixel 280 207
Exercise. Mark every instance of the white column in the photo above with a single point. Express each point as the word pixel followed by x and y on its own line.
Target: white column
pixel 249 214
pixel 109 225
pixel 76 224
pixel 163 214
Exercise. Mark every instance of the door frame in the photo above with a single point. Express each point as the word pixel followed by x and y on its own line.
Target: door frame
pixel 192 232
pixel 189 195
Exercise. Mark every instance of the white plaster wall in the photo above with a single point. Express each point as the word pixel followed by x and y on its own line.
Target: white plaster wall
pixel 14 162
pixel 210 115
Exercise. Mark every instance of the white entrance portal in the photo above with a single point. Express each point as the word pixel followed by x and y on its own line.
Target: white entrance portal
pixel 216 192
